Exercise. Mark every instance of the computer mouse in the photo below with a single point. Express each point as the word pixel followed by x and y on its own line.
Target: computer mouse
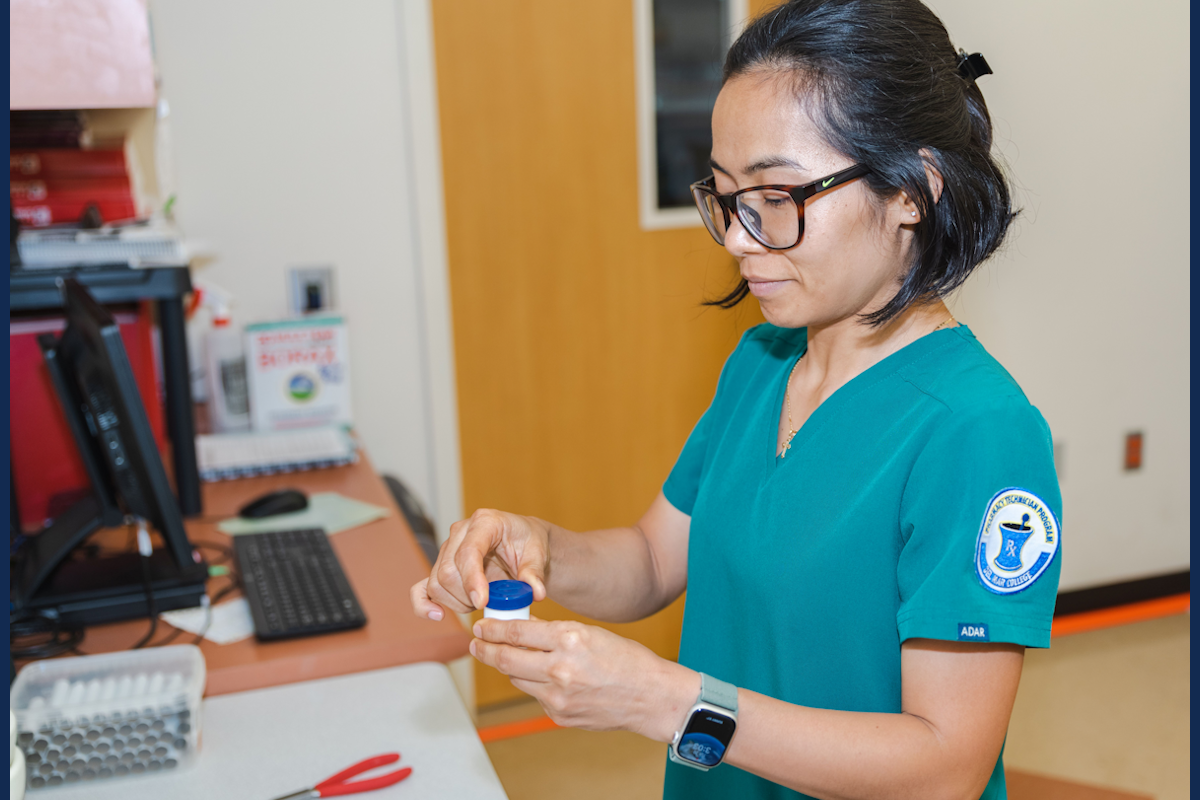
pixel 281 501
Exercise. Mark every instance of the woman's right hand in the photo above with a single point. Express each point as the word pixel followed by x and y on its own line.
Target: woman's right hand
pixel 491 545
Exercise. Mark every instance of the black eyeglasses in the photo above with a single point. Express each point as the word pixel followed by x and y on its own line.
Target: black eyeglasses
pixel 773 215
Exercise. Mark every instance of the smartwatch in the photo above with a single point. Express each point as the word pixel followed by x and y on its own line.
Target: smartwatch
pixel 709 726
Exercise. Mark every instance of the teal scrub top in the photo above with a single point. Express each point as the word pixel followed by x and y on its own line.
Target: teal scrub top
pixel 919 501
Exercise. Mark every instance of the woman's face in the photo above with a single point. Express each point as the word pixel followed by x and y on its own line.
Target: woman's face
pixel 851 256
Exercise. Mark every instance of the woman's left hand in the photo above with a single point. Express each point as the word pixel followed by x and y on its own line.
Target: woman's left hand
pixel 588 677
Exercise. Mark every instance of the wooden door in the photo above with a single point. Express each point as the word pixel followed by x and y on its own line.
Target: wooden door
pixel 583 354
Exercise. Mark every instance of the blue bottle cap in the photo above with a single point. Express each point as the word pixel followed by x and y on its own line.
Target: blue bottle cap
pixel 509 595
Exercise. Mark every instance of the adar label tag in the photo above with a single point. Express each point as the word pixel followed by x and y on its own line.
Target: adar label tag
pixel 973 632
pixel 1017 541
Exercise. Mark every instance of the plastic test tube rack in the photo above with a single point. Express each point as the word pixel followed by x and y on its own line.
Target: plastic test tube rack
pixel 108 716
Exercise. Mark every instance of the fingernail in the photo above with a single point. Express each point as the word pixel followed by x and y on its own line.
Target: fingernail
pixel 477 630
pixel 436 614
pixel 471 647
pixel 475 599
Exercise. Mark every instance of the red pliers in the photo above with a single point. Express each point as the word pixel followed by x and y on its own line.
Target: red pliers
pixel 341 783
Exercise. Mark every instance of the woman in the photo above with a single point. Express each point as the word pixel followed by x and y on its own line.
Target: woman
pixel 865 518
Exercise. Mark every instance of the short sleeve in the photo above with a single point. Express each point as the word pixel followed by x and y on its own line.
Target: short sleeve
pixel 980 558
pixel 683 484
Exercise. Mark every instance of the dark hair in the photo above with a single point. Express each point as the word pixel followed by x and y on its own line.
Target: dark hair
pixel 882 82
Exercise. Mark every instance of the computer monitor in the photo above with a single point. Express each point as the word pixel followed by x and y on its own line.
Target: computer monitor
pixel 94 382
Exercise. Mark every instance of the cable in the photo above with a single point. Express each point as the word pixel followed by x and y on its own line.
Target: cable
pixel 140 533
pixel 208 617
pixel 145 550
pixel 166 640
pixel 46 625
pixel 234 584
pixel 55 639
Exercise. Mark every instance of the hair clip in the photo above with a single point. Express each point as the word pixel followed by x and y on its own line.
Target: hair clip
pixel 972 66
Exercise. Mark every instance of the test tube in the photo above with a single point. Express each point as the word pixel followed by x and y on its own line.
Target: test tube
pixel 62 690
pixel 75 696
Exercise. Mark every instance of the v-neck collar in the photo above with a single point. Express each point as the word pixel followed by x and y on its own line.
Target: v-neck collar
pixel 879 371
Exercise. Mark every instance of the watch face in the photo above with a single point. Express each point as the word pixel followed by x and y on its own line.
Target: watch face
pixel 706 737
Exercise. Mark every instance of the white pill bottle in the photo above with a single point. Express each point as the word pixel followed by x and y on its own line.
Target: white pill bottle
pixel 508 600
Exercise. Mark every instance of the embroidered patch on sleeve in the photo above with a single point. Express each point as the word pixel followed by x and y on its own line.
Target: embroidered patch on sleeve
pixel 1017 541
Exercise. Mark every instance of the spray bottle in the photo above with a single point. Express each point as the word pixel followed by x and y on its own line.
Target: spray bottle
pixel 225 360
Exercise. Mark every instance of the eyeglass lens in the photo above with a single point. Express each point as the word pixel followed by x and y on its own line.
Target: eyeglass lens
pixel 769 215
pixel 712 214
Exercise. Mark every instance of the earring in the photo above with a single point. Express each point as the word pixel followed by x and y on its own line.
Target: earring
pixel 914 213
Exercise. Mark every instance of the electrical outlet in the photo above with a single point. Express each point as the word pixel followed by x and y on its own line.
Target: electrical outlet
pixel 310 289
pixel 1133 451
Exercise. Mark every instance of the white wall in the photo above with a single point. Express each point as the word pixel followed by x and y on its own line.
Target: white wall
pixel 293 144
pixel 1089 305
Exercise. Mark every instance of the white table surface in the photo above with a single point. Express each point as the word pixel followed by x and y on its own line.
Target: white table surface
pixel 265 743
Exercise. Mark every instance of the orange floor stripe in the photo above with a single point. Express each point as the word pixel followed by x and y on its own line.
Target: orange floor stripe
pixel 511 730
pixel 1121 615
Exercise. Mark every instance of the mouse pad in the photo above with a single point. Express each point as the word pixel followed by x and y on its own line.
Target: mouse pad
pixel 328 510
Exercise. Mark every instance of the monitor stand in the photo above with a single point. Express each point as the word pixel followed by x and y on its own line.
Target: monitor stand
pixel 92 591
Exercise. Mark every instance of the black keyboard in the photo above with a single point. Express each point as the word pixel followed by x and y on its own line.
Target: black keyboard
pixel 295 585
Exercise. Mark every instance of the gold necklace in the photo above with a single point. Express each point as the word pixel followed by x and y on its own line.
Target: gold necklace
pixel 787 393
pixel 944 324
pixel 787 398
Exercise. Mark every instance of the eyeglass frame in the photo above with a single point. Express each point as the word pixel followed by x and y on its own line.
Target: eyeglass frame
pixel 798 192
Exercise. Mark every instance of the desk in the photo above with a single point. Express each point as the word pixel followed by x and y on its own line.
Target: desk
pixel 382 561
pixel 265 743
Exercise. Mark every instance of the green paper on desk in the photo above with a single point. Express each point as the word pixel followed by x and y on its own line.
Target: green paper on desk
pixel 328 510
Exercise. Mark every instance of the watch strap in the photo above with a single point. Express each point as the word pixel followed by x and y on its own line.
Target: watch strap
pixel 718 693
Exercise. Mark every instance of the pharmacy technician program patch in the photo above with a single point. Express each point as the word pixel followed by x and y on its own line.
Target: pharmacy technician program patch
pixel 1017 541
